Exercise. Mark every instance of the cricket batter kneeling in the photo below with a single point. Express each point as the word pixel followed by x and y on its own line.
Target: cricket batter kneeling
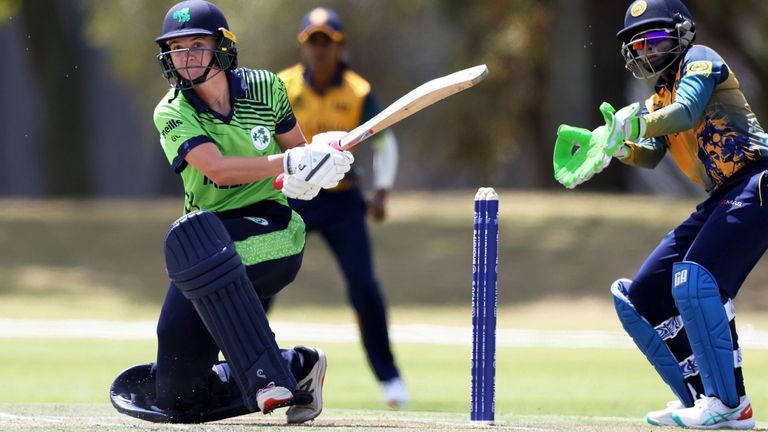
pixel 228 132
pixel 678 308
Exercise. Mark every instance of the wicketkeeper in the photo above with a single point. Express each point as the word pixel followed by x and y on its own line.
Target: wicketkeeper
pixel 678 309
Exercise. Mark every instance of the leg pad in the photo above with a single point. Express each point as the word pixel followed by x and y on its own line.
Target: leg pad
pixel 698 299
pixel 650 343
pixel 201 260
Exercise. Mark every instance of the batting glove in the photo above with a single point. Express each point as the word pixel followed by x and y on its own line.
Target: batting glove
pixel 321 162
pixel 296 188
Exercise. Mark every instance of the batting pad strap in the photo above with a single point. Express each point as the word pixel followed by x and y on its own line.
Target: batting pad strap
pixel 202 262
pixel 697 297
pixel 689 367
pixel 670 327
pixel 650 343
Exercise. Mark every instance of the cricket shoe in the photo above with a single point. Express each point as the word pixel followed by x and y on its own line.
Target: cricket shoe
pixel 710 413
pixel 312 382
pixel 395 392
pixel 271 397
pixel 664 417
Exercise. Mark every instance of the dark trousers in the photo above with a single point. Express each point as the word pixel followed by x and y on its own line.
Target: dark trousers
pixel 726 234
pixel 340 217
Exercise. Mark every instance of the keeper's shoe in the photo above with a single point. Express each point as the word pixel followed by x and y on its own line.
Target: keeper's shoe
pixel 664 417
pixel 395 393
pixel 711 413
pixel 271 397
pixel 312 383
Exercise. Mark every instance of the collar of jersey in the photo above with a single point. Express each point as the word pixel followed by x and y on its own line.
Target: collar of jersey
pixel 237 89
pixel 337 79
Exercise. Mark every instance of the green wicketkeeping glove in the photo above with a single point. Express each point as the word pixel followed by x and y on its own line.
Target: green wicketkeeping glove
pixel 622 125
pixel 580 154
pixel 577 155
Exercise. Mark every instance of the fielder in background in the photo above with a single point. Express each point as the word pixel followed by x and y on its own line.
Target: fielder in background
pixel 678 309
pixel 227 132
pixel 327 95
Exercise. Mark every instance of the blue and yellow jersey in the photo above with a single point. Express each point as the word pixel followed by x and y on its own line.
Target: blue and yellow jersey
pixel 703 120
pixel 260 109
pixel 343 107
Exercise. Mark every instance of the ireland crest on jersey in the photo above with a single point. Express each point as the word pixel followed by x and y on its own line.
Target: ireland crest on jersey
pixel 261 137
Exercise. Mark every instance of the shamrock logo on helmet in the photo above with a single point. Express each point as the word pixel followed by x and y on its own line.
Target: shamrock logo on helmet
pixel 182 15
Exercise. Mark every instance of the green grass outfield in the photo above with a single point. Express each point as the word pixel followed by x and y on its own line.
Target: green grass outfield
pixel 559 253
pixel 50 384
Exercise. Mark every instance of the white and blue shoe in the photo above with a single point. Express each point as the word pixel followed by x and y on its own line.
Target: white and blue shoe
pixel 711 413
pixel 664 417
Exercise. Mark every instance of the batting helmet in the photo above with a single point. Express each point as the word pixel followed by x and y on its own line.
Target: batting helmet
pixel 196 18
pixel 655 34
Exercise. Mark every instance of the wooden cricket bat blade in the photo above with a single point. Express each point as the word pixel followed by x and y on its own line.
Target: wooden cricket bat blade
pixel 411 103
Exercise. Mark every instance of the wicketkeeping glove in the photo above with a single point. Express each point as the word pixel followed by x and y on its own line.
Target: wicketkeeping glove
pixel 621 126
pixel 577 157
pixel 321 162
pixel 580 154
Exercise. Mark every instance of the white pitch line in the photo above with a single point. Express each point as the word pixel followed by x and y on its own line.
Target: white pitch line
pixel 423 334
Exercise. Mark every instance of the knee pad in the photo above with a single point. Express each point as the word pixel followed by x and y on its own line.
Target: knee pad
pixel 650 343
pixel 202 261
pixel 698 299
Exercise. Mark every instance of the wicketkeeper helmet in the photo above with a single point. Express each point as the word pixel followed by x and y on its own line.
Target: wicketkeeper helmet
pixel 656 33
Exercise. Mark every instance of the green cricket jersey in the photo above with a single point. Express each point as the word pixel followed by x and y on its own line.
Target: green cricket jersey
pixel 260 109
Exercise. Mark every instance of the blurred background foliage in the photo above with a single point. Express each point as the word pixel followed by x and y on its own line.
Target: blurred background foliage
pixel 79 82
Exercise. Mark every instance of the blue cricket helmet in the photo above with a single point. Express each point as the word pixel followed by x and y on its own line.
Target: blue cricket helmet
pixel 655 35
pixel 651 14
pixel 192 18
pixel 196 18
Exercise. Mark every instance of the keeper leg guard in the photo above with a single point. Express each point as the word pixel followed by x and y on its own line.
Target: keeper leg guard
pixel 697 297
pixel 650 343
pixel 201 260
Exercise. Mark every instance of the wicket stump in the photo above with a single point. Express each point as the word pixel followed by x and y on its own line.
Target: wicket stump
pixel 485 263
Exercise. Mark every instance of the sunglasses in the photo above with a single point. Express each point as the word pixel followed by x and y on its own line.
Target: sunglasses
pixel 652 38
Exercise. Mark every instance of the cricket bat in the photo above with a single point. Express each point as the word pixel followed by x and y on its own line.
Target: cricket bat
pixel 411 103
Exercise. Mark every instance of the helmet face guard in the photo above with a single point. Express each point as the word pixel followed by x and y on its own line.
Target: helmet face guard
pixel 649 53
pixel 223 57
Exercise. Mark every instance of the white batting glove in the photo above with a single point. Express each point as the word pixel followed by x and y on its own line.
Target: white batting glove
pixel 320 162
pixel 294 187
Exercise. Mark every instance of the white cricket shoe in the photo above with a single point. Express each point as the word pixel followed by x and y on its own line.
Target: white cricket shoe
pixel 664 417
pixel 710 413
pixel 395 393
pixel 311 383
pixel 270 397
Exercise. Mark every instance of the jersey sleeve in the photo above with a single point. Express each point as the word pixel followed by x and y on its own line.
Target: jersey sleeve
pixel 180 132
pixel 281 106
pixel 702 70
pixel 645 152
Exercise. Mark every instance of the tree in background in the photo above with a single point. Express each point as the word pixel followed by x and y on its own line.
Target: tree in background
pixel 551 62
pixel 58 59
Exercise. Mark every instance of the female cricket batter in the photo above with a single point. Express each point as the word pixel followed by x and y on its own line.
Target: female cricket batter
pixel 678 308
pixel 228 132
